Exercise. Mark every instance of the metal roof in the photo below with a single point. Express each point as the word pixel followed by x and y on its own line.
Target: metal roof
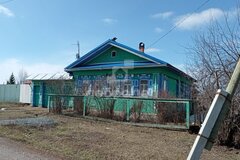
pixel 50 76
pixel 108 44
pixel 79 64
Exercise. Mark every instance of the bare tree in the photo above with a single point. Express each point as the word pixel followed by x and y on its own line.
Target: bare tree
pixel 59 88
pixel 22 75
pixel 213 57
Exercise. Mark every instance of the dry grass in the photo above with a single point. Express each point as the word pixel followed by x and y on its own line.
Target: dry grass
pixel 14 110
pixel 78 138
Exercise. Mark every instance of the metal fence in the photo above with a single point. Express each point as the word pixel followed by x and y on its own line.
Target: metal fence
pixel 15 93
pixel 166 113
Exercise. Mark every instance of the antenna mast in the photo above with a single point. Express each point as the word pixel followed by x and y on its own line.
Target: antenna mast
pixel 78 50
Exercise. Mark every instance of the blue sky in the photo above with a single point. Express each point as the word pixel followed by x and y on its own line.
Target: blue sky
pixel 37 35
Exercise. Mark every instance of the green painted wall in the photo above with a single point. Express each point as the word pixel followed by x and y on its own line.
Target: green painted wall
pixel 41 89
pixel 121 55
pixel 162 70
pixel 172 87
pixel 121 104
pixel 36 95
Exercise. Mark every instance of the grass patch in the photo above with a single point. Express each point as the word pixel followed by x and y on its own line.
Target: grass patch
pixel 78 138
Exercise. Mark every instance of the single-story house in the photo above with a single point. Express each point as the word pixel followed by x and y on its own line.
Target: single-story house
pixel 114 69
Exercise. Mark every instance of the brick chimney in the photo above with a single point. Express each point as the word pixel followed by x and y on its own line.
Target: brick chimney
pixel 141 46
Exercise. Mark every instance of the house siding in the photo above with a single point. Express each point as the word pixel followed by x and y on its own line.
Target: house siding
pixel 121 55
pixel 156 79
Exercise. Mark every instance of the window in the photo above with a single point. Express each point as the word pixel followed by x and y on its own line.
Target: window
pixel 127 87
pixel 85 87
pixel 117 88
pixel 135 88
pixel 143 87
pixel 98 88
pixel 113 53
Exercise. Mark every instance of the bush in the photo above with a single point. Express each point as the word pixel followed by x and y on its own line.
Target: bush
pixel 78 104
pixel 106 107
pixel 136 111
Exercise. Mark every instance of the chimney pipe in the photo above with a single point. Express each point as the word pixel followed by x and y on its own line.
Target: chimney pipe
pixel 141 46
pixel 114 38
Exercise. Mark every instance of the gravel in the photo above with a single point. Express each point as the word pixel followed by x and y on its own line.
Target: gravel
pixel 34 122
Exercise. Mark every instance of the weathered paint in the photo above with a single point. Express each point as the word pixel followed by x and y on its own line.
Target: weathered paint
pixel 173 79
pixel 162 70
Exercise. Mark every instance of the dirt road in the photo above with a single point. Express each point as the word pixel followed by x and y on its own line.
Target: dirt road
pixel 11 150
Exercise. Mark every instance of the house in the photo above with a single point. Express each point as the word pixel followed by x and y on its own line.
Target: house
pixel 119 82
pixel 116 70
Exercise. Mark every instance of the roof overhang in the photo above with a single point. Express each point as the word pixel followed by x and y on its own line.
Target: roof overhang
pixel 113 68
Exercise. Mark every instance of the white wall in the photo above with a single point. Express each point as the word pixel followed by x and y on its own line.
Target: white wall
pixel 25 93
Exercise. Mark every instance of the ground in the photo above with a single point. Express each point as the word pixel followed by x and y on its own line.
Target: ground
pixel 80 138
pixel 12 150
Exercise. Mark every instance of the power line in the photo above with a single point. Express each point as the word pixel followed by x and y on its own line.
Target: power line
pixel 179 23
pixel 4 2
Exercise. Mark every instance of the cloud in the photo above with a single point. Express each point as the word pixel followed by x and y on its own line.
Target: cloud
pixel 158 29
pixel 195 20
pixel 109 20
pixel 152 50
pixel 5 11
pixel 12 65
pixel 162 15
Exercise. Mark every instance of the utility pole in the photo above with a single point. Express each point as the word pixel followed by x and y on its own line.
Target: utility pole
pixel 218 110
pixel 78 50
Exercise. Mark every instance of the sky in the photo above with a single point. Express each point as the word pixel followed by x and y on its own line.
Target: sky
pixel 38 36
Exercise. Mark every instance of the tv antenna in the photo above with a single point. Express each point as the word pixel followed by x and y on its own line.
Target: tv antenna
pixel 78 50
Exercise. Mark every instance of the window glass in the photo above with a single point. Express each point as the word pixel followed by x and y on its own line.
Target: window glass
pixel 143 87
pixel 127 87
pixel 113 53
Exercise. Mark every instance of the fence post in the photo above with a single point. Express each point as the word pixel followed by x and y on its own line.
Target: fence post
pixel 187 115
pixel 128 109
pixel 84 106
pixel 48 103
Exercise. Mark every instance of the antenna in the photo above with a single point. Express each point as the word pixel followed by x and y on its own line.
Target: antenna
pixel 78 50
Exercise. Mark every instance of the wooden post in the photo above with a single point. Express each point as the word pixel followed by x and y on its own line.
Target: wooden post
pixel 84 106
pixel 48 103
pixel 187 115
pixel 128 109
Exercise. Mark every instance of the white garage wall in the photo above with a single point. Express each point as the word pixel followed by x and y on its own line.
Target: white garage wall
pixel 25 93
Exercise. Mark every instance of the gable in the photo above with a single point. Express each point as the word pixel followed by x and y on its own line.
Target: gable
pixel 120 56
pixel 100 58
